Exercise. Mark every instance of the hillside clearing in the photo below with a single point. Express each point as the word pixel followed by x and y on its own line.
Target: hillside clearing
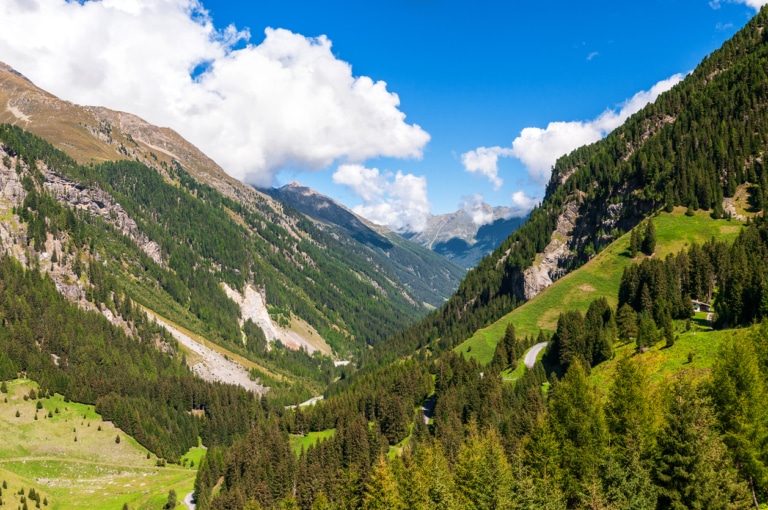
pixel 600 277
pixel 93 471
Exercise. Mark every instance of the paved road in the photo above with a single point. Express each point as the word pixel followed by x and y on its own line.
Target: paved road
pixel 188 501
pixel 530 356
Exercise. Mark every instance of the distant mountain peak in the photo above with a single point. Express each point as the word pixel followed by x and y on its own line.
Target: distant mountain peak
pixel 460 237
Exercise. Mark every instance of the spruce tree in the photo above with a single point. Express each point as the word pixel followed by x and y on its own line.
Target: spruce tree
pixel 693 469
pixel 649 239
pixel 647 334
pixel 626 320
pixel 739 395
pixel 634 242
pixel 577 421
pixel 482 474
pixel 381 491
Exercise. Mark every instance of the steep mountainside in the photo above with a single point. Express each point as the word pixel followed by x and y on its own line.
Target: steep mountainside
pixel 431 278
pixel 693 147
pixel 185 240
pixel 458 238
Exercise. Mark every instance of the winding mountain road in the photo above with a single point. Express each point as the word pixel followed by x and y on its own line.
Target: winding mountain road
pixel 189 501
pixel 530 356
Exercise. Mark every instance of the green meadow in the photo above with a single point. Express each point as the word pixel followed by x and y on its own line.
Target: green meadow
pixel 72 459
pixel 600 277
pixel 298 442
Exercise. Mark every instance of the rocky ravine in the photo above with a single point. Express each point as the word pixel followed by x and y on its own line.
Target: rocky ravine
pixel 252 307
pixel 213 366
pixel 549 268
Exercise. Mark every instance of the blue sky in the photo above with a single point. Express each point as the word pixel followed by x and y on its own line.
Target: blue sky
pixel 467 76
pixel 475 74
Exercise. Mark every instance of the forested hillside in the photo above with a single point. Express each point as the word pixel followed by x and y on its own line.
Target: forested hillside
pixel 432 279
pixel 642 406
pixel 693 147
pixel 302 268
pixel 347 293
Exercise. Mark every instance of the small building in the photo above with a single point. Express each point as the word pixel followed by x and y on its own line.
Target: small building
pixel 701 306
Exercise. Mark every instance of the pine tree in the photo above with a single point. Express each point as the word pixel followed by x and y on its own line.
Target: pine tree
pixel 649 239
pixel 626 320
pixel 426 481
pixel 534 489
pixel 629 409
pixel 381 491
pixel 634 242
pixel 739 396
pixel 647 334
pixel 482 474
pixel 172 500
pixel 693 469
pixel 577 421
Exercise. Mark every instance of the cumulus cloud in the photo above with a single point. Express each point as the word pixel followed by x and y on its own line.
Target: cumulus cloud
pixel 484 160
pixel 398 200
pixel 755 4
pixel 522 204
pixel 474 207
pixel 254 108
pixel 539 148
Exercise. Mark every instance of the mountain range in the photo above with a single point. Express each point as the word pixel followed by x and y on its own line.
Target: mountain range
pixel 199 251
pixel 459 238
pixel 455 236
pixel 128 252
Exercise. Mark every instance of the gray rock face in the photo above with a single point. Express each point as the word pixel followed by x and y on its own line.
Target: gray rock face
pixel 458 238
pixel 550 266
pixel 100 203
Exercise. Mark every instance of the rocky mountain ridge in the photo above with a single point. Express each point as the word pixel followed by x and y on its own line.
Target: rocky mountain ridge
pixel 431 278
pixel 457 236
pixel 281 255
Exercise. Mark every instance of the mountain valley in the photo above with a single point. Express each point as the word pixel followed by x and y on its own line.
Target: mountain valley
pixel 187 315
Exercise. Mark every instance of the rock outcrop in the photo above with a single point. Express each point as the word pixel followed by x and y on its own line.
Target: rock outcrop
pixel 549 266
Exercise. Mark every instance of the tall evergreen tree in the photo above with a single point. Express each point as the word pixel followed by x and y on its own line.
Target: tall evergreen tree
pixel 482 474
pixel 577 421
pixel 649 238
pixel 634 242
pixel 693 469
pixel 381 491
pixel 741 404
pixel 626 320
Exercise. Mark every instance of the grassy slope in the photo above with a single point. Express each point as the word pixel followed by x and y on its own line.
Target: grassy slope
pixel 310 438
pixel 600 277
pixel 92 472
pixel 663 363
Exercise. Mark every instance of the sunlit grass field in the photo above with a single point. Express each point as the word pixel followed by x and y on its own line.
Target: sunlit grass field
pixel 600 277
pixel 72 458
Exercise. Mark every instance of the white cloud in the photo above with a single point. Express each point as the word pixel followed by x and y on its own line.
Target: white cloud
pixel 755 4
pixel 287 101
pixel 480 212
pixel 484 160
pixel 522 204
pixel 398 201
pixel 592 55
pixel 538 148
